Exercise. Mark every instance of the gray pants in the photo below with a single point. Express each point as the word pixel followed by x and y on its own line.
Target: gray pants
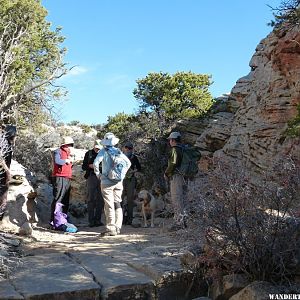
pixel 176 189
pixel 112 195
pixel 61 194
pixel 95 201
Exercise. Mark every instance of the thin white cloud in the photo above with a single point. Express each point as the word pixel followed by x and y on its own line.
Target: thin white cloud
pixel 76 71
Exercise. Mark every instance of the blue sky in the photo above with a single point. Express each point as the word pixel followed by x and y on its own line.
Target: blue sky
pixel 113 43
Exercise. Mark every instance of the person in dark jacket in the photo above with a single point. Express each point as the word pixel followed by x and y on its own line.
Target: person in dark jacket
pixel 95 200
pixel 8 137
pixel 61 176
pixel 129 183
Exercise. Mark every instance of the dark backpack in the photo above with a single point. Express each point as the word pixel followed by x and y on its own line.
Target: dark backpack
pixel 189 163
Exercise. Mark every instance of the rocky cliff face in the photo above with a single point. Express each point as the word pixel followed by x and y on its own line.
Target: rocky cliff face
pixel 249 124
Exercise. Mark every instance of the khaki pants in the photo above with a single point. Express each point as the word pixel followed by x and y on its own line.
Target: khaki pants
pixel 112 195
pixel 176 189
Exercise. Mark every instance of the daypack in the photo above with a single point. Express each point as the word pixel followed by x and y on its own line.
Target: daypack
pixel 60 220
pixel 189 163
pixel 120 165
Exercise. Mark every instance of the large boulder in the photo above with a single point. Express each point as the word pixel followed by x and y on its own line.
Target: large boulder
pixel 21 202
pixel 257 290
pixel 228 286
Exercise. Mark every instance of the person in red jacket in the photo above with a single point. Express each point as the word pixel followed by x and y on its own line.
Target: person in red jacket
pixel 61 176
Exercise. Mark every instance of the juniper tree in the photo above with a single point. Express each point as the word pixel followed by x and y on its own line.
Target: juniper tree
pixel 30 58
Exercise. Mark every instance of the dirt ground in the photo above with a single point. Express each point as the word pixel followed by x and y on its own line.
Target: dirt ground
pixel 46 240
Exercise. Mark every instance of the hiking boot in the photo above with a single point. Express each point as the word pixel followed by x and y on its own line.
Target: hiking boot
pixel 109 233
pixel 134 225
pixel 175 227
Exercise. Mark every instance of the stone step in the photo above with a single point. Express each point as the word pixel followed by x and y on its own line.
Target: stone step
pixel 81 276
pixel 53 276
pixel 116 278
pixel 7 291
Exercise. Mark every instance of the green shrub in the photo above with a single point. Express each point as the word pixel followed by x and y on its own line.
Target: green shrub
pixel 293 129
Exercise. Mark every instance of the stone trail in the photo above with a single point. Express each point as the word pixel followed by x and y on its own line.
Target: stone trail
pixel 141 263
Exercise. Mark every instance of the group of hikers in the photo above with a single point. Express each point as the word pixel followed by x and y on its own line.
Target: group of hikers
pixel 106 191
pixel 110 175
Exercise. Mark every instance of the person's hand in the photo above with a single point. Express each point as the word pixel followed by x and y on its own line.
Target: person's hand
pixel 67 161
pixel 72 158
pixel 91 166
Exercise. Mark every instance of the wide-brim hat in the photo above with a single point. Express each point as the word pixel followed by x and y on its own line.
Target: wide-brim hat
pixel 174 135
pixel 109 139
pixel 67 140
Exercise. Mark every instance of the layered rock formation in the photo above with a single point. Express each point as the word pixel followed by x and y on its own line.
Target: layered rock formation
pixel 249 124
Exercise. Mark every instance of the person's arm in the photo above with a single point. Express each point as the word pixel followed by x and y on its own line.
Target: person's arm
pixel 58 160
pixel 97 162
pixel 172 163
pixel 85 164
